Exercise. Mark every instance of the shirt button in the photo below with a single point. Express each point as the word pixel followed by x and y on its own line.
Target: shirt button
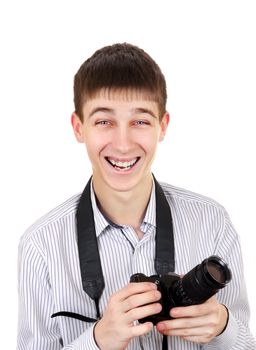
pixel 148 335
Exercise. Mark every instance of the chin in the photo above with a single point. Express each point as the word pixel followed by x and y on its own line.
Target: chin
pixel 122 185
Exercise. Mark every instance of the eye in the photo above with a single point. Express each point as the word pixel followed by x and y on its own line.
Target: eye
pixel 141 122
pixel 103 122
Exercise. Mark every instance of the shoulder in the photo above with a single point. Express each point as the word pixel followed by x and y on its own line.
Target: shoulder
pixel 53 221
pixel 196 216
pixel 177 195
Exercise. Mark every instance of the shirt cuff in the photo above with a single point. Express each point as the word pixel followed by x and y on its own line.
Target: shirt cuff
pixel 227 339
pixel 85 341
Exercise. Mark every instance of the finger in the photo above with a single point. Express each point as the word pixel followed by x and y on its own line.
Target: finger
pixel 183 323
pixel 137 300
pixel 194 310
pixel 143 311
pixel 140 329
pixel 189 332
pixel 132 289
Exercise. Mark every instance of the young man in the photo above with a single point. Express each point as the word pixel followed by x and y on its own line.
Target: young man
pixel 75 263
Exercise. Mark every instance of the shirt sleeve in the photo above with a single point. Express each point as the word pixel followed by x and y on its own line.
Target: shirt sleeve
pixel 36 328
pixel 84 342
pixel 237 335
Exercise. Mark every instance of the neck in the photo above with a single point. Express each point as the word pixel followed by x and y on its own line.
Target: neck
pixel 125 207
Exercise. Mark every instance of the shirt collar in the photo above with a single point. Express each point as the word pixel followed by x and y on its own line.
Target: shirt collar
pixel 150 215
pixel 102 222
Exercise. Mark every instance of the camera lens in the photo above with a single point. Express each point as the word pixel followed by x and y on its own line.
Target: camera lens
pixel 215 272
pixel 202 282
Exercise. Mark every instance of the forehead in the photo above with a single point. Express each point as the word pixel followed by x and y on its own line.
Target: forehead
pixel 121 98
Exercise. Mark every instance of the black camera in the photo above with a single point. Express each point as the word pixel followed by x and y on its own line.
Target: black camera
pixel 198 285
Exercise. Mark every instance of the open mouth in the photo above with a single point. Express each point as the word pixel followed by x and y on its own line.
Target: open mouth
pixel 124 166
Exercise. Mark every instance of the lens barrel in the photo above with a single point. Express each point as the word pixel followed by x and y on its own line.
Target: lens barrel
pixel 202 282
pixel 215 272
pixel 198 285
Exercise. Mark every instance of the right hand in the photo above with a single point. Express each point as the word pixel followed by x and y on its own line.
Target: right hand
pixel 116 328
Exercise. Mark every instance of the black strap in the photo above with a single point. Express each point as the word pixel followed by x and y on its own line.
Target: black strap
pixel 91 271
pixel 73 315
pixel 78 316
pixel 165 343
pixel 164 258
pixel 90 265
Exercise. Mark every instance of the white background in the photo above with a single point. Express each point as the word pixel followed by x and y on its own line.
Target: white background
pixel 207 52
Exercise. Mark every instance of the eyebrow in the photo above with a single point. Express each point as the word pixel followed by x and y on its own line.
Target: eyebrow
pixel 145 110
pixel 101 109
pixel 111 110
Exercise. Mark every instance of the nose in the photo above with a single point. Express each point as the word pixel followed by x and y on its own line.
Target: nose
pixel 122 139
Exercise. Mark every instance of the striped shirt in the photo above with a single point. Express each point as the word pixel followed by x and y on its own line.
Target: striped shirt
pixel 50 280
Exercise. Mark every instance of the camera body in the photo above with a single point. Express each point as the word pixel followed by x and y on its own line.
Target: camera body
pixel 198 285
pixel 164 283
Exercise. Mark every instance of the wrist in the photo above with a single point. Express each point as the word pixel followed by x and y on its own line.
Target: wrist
pixel 224 317
pixel 96 335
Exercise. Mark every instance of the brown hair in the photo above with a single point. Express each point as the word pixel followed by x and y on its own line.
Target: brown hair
pixel 119 67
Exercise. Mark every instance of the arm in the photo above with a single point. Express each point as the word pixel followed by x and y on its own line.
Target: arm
pixel 237 334
pixel 210 323
pixel 36 328
pixel 117 327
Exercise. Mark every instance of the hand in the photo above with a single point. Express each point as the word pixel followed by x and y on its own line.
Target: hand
pixel 196 323
pixel 116 328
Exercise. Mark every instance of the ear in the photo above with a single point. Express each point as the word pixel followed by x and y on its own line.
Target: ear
pixel 164 124
pixel 77 127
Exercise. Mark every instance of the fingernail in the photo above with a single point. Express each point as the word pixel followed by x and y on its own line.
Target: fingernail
pixel 161 327
pixel 174 312
pixel 158 294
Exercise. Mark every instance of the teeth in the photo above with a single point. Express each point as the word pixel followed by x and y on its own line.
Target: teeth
pixel 122 164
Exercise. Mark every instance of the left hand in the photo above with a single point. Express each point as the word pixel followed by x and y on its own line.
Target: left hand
pixel 196 323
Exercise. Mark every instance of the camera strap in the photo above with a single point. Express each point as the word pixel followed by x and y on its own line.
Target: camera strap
pixel 90 265
pixel 164 255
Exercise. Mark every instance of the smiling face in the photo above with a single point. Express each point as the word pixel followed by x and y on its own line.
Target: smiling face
pixel 121 132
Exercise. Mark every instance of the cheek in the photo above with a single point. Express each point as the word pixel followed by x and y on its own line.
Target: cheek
pixel 149 141
pixel 94 145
